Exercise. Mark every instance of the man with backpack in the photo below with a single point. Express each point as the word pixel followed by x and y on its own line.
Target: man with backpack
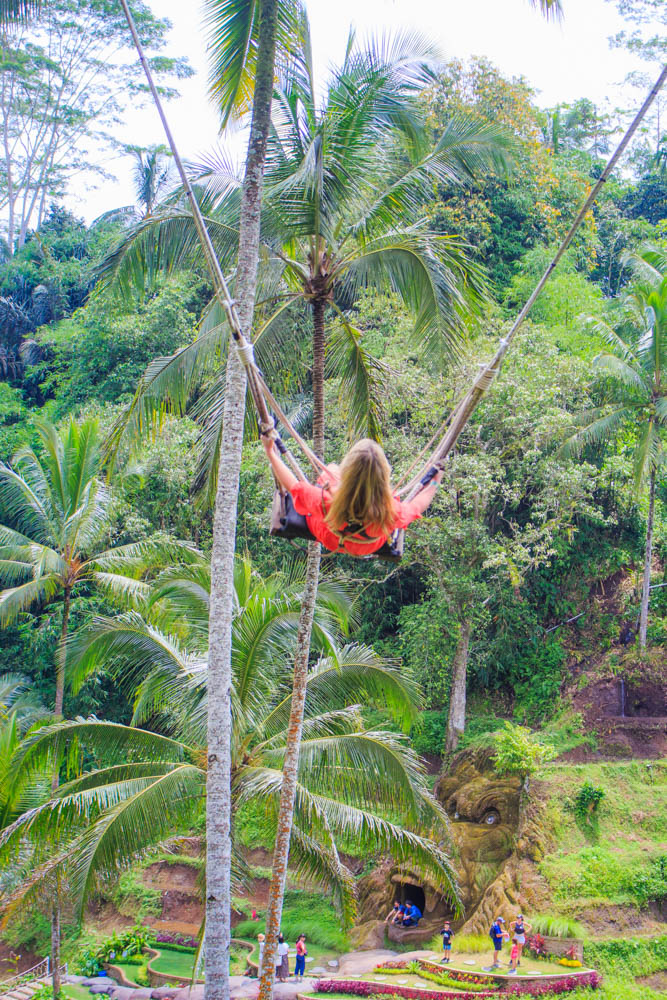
pixel 498 934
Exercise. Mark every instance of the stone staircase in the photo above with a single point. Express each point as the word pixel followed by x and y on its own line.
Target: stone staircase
pixel 26 984
pixel 23 991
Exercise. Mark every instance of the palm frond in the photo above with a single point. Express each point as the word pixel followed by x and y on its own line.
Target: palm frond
pixel 622 371
pixel 109 741
pixel 126 642
pixel 34 593
pixel 363 378
pixel 312 861
pixel 233 32
pixel 432 274
pixel 354 674
pixel 600 424
pixel 552 9
pixel 369 832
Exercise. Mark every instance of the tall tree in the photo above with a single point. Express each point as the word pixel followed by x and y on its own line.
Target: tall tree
pixel 237 28
pixel 64 80
pixel 635 390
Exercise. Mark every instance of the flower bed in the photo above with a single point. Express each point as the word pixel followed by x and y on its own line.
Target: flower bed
pixel 461 977
pixel 565 984
pixel 179 940
pixel 363 989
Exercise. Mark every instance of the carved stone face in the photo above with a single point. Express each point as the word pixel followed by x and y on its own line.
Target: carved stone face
pixel 484 815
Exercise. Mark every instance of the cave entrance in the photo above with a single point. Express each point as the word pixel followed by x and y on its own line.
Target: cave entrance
pixel 414 893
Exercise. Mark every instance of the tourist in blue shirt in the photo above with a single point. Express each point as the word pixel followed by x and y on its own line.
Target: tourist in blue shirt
pixel 412 914
pixel 447 935
pixel 498 934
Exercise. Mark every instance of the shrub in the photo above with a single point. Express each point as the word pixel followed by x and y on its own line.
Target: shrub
pixel 429 732
pixel 118 947
pixel 627 957
pixel 519 751
pixel 309 912
pixel 454 982
pixel 586 802
pixel 536 945
pixel 45 992
pixel 561 927
pixel 142 976
pixel 475 944
pixel 469 978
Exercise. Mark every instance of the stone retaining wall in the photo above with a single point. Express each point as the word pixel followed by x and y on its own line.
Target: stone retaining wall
pixel 559 947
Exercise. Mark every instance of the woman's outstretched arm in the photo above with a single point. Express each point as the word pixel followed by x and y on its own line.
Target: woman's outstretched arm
pixel 425 496
pixel 283 474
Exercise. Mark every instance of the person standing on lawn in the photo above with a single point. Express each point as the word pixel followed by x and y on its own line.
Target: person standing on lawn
pixel 301 952
pixel 447 935
pixel 519 929
pixel 282 961
pixel 514 958
pixel 498 934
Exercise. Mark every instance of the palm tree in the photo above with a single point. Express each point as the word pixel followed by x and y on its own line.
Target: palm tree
pixel 55 512
pixel 243 34
pixel 20 715
pixel 635 389
pixel 152 168
pixel 141 784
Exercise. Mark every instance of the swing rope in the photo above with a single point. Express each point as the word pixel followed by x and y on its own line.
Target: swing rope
pixel 451 428
pixel 465 408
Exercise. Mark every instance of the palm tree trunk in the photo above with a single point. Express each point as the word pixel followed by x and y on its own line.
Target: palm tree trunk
pixel 55 945
pixel 290 770
pixel 646 585
pixel 457 700
pixel 61 655
pixel 299 687
pixel 218 784
pixel 318 376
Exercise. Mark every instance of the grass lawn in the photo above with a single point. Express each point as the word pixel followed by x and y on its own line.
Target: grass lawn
pixel 75 992
pixel 616 858
pixel 179 963
pixel 129 971
pixel 463 962
pixel 469 962
pixel 174 963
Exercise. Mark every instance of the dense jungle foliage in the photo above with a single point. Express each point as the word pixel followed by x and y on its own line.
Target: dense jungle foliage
pixel 520 531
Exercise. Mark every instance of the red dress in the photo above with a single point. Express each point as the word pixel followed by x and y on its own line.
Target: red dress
pixel 308 500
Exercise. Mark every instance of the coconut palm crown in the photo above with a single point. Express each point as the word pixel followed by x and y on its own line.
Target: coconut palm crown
pixel 54 514
pixel 346 182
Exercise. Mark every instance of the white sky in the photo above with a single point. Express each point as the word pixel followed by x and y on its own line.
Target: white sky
pixel 562 62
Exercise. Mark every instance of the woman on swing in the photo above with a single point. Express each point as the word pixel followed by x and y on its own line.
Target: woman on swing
pixel 356 494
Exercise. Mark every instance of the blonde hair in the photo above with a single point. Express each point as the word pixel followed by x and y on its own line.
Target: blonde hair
pixel 363 495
